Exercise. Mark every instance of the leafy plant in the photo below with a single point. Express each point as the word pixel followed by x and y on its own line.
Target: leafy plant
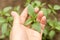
pixel 34 24
pixel 54 8
pixel 38 4
pixel 49 12
pixel 6 20
pixel 27 2
pixel 52 23
pixel 51 34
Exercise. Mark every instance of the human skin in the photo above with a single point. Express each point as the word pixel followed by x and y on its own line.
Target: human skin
pixel 21 32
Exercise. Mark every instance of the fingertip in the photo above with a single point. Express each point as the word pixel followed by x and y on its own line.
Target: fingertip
pixel 36 9
pixel 43 20
pixel 13 13
pixel 44 17
pixel 40 15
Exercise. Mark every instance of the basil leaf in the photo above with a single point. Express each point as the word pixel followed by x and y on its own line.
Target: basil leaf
pixel 50 6
pixel 43 4
pixel 29 21
pixel 36 26
pixel 9 19
pixel 38 4
pixel 4 28
pixel 2 20
pixel 56 7
pixel 17 9
pixel 7 14
pixel 7 9
pixel 54 11
pixel 31 11
pixel 58 26
pixel 51 34
pixel 45 32
pixel 44 11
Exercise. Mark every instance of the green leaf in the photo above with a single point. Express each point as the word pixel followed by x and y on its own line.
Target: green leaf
pixel 33 4
pixel 38 3
pixel 48 11
pixel 51 34
pixel 7 33
pixel 44 11
pixel 50 22
pixel 58 26
pixel 28 1
pixel 36 26
pixel 50 6
pixel 7 14
pixel 4 28
pixel 54 11
pixel 31 11
pixel 17 8
pixel 2 36
pixel 43 4
pixel 9 19
pixel 45 32
pixel 56 7
pixel 2 20
pixel 29 21
pixel 7 9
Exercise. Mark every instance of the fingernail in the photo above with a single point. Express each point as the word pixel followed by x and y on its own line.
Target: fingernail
pixel 36 9
pixel 13 13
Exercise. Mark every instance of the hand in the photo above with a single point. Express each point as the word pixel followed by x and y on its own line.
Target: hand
pixel 21 32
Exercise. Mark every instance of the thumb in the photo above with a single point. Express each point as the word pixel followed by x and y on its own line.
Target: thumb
pixel 16 18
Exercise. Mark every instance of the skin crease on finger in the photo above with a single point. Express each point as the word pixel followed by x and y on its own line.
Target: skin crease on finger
pixel 20 32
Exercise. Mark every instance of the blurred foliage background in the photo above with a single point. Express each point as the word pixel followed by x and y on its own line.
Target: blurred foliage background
pixel 50 8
